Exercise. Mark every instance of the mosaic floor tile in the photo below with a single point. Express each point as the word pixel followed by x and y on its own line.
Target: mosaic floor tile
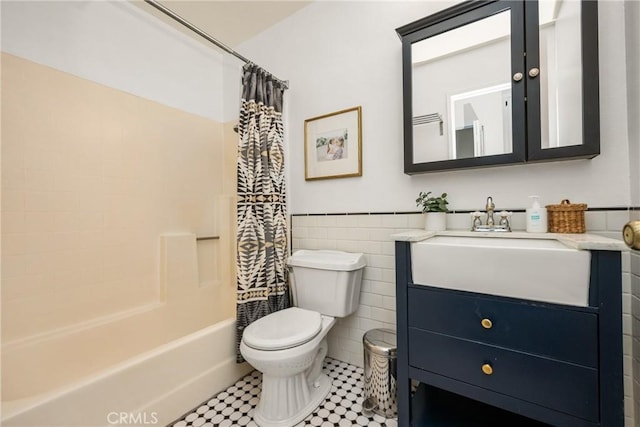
pixel 341 408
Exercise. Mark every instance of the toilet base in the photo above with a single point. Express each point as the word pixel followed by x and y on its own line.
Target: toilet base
pixel 316 396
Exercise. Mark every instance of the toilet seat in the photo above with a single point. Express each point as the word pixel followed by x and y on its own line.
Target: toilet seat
pixel 283 329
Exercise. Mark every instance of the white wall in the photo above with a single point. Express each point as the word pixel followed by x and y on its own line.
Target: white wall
pixel 118 45
pixel 632 27
pixel 343 54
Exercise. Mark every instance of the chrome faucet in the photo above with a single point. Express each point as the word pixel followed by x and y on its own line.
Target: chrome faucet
pixel 489 208
pixel 503 224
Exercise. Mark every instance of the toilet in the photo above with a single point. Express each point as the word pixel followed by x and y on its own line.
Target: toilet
pixel 288 346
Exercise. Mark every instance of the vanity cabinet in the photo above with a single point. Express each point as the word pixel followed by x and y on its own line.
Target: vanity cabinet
pixel 500 82
pixel 558 364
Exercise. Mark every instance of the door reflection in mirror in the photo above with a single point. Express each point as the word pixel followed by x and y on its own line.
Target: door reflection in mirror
pixel 467 65
pixel 481 122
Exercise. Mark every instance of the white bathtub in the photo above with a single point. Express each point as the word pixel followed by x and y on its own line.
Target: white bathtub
pixel 153 388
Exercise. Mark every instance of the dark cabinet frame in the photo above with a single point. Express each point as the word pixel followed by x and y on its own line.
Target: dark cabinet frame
pixel 596 345
pixel 525 93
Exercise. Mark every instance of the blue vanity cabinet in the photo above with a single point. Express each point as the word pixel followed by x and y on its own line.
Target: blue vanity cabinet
pixel 558 364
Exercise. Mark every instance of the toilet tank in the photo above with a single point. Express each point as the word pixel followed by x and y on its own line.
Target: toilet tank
pixel 327 281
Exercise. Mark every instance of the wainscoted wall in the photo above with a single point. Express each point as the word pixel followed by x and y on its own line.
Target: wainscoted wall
pixel 634 266
pixel 371 234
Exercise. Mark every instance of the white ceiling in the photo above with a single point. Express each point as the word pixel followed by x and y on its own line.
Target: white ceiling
pixel 229 21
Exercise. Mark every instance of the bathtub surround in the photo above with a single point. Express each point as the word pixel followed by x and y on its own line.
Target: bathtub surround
pixel 92 176
pixel 262 247
pixel 370 234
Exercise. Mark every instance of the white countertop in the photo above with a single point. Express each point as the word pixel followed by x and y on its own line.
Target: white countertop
pixel 575 241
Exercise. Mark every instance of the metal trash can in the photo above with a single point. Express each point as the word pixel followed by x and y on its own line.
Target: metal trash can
pixel 380 366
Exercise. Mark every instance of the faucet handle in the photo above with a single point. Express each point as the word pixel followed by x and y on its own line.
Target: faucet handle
pixel 475 221
pixel 504 219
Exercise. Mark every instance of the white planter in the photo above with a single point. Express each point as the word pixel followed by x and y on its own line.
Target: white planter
pixel 435 221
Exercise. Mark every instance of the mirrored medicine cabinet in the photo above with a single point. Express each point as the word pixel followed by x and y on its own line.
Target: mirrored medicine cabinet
pixel 500 82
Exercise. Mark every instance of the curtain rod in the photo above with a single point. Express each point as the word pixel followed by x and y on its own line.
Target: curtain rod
pixel 171 14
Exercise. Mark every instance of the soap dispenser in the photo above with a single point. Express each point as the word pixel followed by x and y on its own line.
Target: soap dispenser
pixel 536 217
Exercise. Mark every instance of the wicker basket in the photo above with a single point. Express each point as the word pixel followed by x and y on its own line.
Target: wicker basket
pixel 566 217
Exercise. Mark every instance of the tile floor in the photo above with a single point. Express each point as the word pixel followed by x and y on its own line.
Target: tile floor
pixel 341 408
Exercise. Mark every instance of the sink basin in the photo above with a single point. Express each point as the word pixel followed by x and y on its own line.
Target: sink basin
pixel 532 269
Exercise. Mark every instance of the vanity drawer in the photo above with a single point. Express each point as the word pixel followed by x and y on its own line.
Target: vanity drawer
pixel 561 333
pixel 553 384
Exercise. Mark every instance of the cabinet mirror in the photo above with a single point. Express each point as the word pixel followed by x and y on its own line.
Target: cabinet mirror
pixel 502 82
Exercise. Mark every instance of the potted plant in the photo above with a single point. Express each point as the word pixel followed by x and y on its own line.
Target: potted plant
pixel 435 210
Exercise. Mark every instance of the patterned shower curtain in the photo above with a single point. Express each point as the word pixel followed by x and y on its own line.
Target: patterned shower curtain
pixel 262 214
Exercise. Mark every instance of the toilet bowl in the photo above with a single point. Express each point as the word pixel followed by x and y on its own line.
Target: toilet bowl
pixel 289 346
pixel 293 384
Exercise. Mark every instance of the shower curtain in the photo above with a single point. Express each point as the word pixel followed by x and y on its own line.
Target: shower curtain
pixel 262 218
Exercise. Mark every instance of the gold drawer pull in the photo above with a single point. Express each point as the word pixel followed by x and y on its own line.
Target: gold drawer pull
pixel 486 323
pixel 487 369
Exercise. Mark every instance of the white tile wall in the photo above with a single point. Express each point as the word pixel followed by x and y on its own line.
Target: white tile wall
pixel 634 285
pixel 370 234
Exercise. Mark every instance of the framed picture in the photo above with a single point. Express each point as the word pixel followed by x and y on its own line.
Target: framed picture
pixel 333 145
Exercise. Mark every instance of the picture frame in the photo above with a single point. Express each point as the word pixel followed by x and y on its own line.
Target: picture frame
pixel 333 145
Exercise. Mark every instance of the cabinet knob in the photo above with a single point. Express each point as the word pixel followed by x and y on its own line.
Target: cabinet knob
pixel 534 72
pixel 486 323
pixel 517 77
pixel 487 369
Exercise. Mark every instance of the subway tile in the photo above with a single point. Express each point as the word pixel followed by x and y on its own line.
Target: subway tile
pixel 595 221
pixel 369 221
pixel 305 221
pixel 368 324
pixel 337 233
pixel 381 261
pixel 616 220
pixel 351 345
pixel 309 244
pixel 356 334
pixel 317 233
pixel 326 221
pixel 299 232
pixel 372 273
pixel 395 221
pixel 389 276
pixel 458 221
pixel 383 315
pixel 415 221
pixel 389 302
pixel 626 303
pixel 626 324
pixel 626 283
pixel 363 311
pixel 388 248
pixel 625 259
pixel 384 288
pixel 348 245
pixel 295 244
pixel 519 221
pixel 381 234
pixel 357 234
pixel 352 321
pixel 372 300
pixel 634 262
pixel 366 286
pixel 348 221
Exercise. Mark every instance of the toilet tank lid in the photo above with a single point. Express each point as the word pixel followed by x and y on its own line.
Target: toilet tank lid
pixel 327 260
